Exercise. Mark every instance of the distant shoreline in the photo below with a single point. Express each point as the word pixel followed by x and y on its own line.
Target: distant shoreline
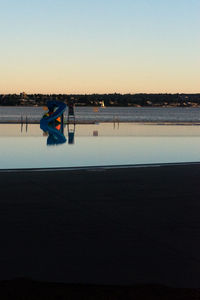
pixel 108 100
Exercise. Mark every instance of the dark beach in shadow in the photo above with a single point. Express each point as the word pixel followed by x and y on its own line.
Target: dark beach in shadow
pixel 123 233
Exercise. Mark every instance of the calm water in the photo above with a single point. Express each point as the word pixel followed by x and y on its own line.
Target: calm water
pixel 122 114
pixel 97 145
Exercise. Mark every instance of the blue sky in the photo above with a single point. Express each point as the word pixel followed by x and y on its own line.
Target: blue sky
pixel 90 46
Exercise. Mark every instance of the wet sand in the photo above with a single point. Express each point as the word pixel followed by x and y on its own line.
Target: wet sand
pixel 120 227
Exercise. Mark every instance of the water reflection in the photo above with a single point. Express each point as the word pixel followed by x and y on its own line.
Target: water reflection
pixel 24 124
pixel 128 144
pixel 52 123
pixel 95 133
pixel 71 133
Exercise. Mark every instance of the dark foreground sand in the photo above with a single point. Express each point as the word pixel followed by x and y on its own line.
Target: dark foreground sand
pixel 121 227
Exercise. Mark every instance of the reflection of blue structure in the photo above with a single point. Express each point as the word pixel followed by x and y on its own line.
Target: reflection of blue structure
pixel 52 122
pixel 71 133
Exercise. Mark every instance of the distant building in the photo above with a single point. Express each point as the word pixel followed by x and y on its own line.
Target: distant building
pixel 23 95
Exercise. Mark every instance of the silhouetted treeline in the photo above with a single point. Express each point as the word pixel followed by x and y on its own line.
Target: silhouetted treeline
pixel 103 99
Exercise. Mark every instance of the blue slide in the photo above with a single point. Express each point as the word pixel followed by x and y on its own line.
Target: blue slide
pixel 48 123
pixel 55 114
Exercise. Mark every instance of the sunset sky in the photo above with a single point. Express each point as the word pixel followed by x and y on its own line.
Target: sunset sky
pixel 99 46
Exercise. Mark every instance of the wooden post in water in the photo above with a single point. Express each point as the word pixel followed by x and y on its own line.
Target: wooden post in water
pixel 26 124
pixel 21 123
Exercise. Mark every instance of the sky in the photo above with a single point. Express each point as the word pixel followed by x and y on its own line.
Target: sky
pixel 99 46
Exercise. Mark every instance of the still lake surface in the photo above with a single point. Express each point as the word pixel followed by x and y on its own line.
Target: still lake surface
pixel 108 114
pixel 99 145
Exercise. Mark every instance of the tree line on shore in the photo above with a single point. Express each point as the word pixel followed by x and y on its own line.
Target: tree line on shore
pixel 137 100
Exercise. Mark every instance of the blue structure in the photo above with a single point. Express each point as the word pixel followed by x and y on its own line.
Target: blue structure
pixel 52 122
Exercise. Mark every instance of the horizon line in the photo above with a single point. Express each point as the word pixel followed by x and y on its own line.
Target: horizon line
pixel 114 93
